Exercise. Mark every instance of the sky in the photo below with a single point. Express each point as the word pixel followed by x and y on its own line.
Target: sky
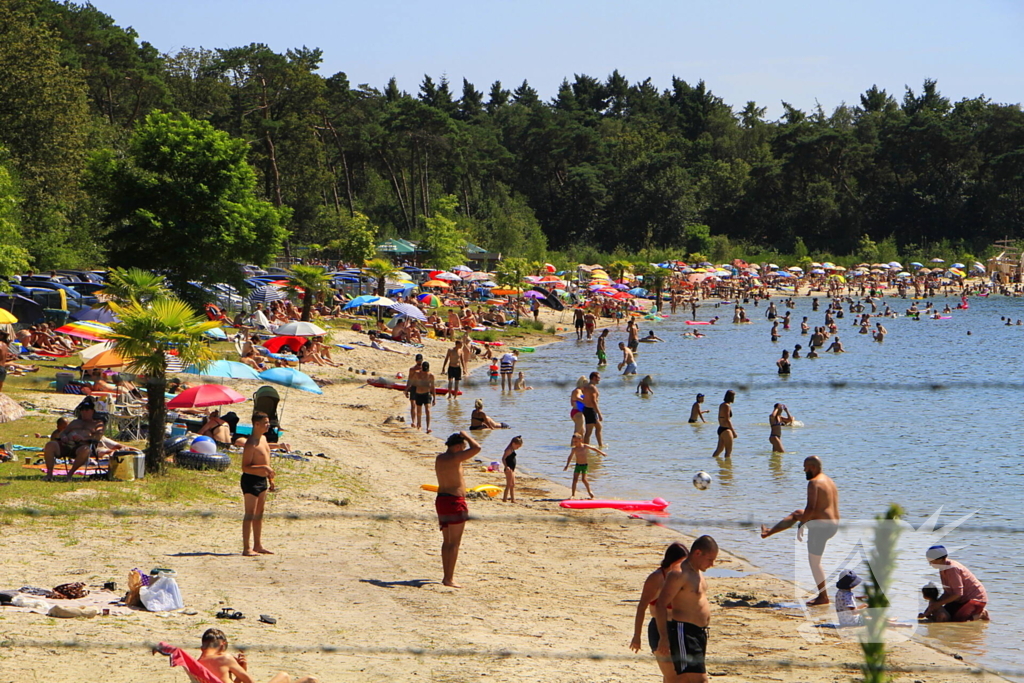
pixel 805 53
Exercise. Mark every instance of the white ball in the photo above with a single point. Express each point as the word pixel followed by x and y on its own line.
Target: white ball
pixel 702 480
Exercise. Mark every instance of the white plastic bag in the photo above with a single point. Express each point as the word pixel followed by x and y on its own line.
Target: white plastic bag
pixel 162 595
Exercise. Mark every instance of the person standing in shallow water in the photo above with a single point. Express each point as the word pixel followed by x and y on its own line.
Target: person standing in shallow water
pixel 726 433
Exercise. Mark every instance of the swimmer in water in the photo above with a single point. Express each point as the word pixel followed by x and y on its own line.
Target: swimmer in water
pixel 652 338
pixel 880 332
pixel 783 363
pixel 779 418
pixel 644 388
pixel 695 410
pixel 836 346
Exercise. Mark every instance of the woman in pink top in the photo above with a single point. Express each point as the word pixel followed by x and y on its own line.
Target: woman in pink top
pixel 963 596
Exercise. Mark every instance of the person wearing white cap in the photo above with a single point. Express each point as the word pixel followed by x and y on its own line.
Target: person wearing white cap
pixel 963 596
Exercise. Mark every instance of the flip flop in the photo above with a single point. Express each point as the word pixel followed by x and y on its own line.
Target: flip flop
pixel 267 619
pixel 228 613
pixel 321 455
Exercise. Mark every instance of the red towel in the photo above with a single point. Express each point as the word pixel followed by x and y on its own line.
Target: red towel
pixel 183 659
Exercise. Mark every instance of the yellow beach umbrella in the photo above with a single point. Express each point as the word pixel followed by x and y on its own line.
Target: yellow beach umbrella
pixel 6 318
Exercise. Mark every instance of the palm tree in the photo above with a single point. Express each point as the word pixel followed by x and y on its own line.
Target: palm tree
pixel 619 268
pixel 312 280
pixel 126 286
pixel 380 269
pixel 143 337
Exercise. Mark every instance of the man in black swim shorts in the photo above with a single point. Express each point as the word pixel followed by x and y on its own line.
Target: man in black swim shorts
pixel 257 479
pixel 683 613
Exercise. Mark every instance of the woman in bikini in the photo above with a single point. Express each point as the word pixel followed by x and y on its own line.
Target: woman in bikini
pixel 479 420
pixel 674 555
pixel 576 401
pixel 726 433
pixel 779 418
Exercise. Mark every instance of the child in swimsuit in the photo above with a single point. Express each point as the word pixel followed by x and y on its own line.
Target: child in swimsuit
pixel 579 451
pixel 508 459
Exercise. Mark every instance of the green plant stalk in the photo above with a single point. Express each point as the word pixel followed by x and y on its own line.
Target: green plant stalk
pixel 883 561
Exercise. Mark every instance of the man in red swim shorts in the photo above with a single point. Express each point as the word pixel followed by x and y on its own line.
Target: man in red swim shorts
pixel 452 511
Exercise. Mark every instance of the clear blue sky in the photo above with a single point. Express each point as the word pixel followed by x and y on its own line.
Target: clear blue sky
pixel 803 52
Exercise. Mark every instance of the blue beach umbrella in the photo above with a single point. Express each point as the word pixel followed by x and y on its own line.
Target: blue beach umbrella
pixel 638 291
pixel 97 315
pixel 290 377
pixel 227 369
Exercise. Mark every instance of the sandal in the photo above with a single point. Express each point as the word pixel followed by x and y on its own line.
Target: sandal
pixel 229 613
pixel 267 619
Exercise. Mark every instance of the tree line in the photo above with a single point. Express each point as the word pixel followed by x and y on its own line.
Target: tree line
pixel 607 165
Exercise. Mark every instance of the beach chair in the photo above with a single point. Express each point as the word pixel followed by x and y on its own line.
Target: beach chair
pixel 197 673
pixel 266 399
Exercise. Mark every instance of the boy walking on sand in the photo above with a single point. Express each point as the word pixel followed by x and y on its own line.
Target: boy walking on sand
pixel 229 668
pixel 257 479
pixel 579 451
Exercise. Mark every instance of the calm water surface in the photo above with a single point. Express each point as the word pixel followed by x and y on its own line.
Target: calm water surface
pixel 950 452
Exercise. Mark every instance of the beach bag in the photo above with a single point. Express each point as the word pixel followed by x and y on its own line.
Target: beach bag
pixel 162 595
pixel 71 591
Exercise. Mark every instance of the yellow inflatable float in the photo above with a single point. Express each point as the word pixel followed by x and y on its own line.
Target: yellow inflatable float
pixel 489 489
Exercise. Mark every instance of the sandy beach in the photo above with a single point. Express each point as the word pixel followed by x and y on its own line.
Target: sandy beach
pixel 359 569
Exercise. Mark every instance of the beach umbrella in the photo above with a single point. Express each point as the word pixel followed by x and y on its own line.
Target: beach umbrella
pixel 99 315
pixel 6 317
pixel 204 396
pixel 451 277
pixel 91 351
pixel 436 283
pixel 429 299
pixel 817 271
pixel 795 269
pixel 300 329
pixel 290 377
pixel 105 359
pixel 85 330
pixel 506 291
pixel 227 369
pixel 369 300
pixel 895 265
pixel 217 333
pixel 266 294
pixel 638 291
pixel 828 265
pixel 925 271
pixel 958 265
pixel 10 410
pixel 977 266
pixel 937 260
pixel 409 311
pixel 478 276
pixel 549 268
pixel 291 343
pixel 488 283
pixel 903 274
pixel 916 264
pixel 533 295
pixel 462 269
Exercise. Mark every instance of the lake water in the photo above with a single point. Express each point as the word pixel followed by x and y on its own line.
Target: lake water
pixel 954 450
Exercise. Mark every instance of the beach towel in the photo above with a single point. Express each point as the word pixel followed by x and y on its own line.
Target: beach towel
pixel 179 657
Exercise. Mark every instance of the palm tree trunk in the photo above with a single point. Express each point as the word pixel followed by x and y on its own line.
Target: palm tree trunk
pixel 307 304
pixel 157 405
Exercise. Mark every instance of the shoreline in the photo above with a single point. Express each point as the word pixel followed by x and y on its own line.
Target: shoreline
pixel 534 585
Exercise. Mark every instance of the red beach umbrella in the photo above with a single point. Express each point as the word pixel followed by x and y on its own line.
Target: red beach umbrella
pixel 204 396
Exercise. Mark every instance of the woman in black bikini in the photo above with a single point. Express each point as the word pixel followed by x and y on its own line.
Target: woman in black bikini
pixel 726 433
pixel 779 418
pixel 478 418
pixel 674 555
pixel 783 363
pixel 508 461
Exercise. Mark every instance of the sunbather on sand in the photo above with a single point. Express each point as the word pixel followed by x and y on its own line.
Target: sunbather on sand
pixel 233 669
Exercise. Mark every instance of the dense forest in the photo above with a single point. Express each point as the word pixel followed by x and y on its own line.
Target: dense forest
pixel 608 165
